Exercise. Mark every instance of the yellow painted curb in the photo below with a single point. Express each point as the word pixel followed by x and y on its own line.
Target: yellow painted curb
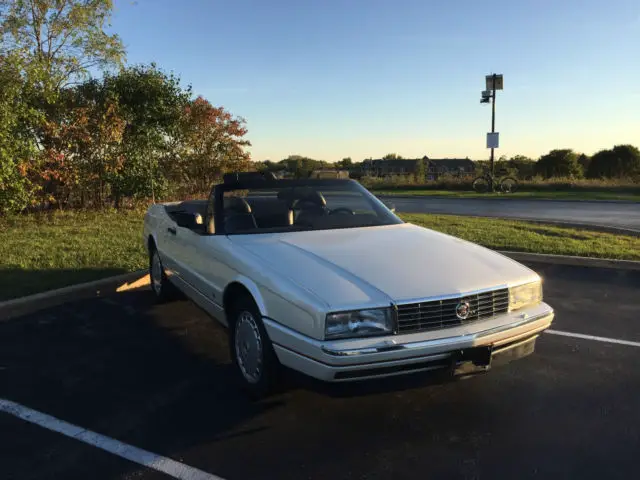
pixel 140 282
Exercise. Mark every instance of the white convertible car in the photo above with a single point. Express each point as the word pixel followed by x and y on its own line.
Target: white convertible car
pixel 320 276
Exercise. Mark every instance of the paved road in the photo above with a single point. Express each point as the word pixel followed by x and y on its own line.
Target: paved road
pixel 610 214
pixel 157 377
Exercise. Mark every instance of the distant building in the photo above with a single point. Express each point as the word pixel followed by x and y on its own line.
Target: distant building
pixel 457 167
pixel 329 174
pixel 382 168
pixel 433 167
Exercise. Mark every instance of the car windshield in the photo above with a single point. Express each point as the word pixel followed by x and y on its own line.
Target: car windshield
pixel 282 206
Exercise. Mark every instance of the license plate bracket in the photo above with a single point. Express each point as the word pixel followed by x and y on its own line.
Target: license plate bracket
pixel 472 360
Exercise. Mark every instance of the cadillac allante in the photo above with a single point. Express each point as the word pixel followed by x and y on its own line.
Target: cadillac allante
pixel 322 277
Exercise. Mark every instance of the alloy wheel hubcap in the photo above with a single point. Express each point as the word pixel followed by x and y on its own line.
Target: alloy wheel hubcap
pixel 248 347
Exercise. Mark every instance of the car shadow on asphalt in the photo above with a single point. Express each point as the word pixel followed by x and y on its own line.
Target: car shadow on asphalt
pixel 415 381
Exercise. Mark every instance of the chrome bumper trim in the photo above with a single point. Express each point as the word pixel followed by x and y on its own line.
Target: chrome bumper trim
pixel 390 345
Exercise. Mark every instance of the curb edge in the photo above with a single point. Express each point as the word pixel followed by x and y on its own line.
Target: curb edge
pixel 526 257
pixel 96 288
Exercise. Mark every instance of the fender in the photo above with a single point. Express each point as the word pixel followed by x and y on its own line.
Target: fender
pixel 153 237
pixel 253 289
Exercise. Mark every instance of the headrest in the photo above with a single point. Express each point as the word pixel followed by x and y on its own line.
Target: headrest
pixel 237 205
pixel 302 194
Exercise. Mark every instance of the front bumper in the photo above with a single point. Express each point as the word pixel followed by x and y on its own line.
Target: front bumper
pixel 509 336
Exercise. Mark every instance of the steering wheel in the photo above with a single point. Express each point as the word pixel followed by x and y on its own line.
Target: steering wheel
pixel 342 210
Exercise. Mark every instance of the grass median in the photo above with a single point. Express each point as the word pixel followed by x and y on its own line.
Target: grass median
pixel 531 237
pixel 43 252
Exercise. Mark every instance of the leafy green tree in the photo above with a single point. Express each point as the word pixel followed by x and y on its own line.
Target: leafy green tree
pixel 584 161
pixel 211 144
pixel 392 156
pixel 268 165
pixel 152 105
pixel 301 167
pixel 345 164
pixel 65 37
pixel 522 165
pixel 420 170
pixel 83 150
pixel 51 43
pixel 619 162
pixel 559 163
pixel 18 146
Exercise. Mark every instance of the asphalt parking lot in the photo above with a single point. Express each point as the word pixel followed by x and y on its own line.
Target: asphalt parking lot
pixel 158 377
pixel 625 215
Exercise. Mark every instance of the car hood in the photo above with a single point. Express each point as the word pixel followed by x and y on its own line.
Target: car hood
pixel 350 268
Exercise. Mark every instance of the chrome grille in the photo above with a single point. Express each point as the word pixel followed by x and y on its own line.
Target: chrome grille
pixel 435 314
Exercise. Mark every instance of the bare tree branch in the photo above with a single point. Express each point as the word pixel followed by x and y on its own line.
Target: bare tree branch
pixel 37 26
pixel 52 22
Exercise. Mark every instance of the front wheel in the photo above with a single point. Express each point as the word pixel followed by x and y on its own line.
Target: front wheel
pixel 254 359
pixel 481 185
pixel 508 185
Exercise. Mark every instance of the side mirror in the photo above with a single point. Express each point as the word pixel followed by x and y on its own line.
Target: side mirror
pixel 189 220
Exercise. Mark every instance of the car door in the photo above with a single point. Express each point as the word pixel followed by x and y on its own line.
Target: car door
pixel 179 251
pixel 165 234
pixel 202 266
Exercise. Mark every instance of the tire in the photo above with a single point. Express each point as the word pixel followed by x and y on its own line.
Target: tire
pixel 255 364
pixel 508 185
pixel 160 285
pixel 481 185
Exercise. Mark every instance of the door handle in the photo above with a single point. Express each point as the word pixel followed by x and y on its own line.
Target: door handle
pixel 172 230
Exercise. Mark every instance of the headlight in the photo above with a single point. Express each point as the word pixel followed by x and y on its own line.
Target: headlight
pixel 359 323
pixel 525 295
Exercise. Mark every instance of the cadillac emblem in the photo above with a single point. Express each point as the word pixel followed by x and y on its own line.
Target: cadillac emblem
pixel 463 309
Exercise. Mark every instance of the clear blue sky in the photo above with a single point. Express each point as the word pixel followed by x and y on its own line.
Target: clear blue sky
pixel 361 78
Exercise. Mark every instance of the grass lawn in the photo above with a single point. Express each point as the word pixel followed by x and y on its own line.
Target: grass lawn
pixel 43 252
pixel 520 236
pixel 551 195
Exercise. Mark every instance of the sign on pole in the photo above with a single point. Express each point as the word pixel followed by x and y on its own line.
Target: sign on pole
pixel 498 85
pixel 493 140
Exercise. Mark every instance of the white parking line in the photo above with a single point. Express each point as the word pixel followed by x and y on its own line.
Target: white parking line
pixel 593 337
pixel 134 454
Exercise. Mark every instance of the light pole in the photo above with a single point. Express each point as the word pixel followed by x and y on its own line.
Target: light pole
pixel 494 82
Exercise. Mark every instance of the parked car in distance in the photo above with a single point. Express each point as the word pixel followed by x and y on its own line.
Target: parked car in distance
pixel 321 277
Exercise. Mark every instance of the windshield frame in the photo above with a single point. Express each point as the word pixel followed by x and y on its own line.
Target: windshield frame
pixel 217 197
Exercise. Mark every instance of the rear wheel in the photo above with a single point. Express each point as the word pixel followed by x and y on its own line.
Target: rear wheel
pixel 255 363
pixel 159 283
pixel 481 185
pixel 509 185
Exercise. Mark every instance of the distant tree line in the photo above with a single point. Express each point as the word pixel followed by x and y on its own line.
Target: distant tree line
pixel 70 140
pixel 619 162
pixel 299 166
